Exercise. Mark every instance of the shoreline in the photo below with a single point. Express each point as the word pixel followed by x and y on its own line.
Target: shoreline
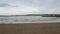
pixel 26 22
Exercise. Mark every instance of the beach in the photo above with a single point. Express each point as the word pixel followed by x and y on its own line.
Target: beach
pixel 29 25
pixel 30 28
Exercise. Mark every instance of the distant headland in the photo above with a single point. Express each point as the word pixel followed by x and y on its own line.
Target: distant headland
pixel 43 15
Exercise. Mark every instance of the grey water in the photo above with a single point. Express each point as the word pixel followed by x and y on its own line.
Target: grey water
pixel 28 19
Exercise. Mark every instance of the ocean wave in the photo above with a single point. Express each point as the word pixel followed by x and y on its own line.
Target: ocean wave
pixel 28 19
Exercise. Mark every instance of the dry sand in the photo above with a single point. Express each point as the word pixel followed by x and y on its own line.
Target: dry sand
pixel 30 28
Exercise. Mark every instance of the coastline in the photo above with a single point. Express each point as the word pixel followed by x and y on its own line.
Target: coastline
pixel 28 22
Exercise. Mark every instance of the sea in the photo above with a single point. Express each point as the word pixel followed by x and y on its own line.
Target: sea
pixel 28 19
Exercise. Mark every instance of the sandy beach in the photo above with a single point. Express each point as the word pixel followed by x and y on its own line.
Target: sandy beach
pixel 30 28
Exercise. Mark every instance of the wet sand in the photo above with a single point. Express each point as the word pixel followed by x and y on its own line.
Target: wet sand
pixel 30 28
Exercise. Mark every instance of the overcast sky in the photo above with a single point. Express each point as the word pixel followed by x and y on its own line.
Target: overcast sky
pixel 18 7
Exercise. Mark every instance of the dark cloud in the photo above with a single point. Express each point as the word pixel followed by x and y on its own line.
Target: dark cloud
pixel 3 5
pixel 6 5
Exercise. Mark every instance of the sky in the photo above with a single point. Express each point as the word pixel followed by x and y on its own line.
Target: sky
pixel 22 7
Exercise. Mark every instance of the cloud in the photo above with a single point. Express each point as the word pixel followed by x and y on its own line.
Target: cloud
pixel 55 11
pixel 3 5
pixel 7 5
pixel 17 11
pixel 29 6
